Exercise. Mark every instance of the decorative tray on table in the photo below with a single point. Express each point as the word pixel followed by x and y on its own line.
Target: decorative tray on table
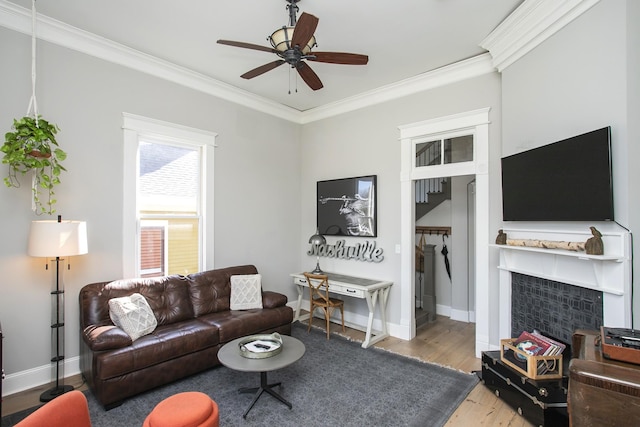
pixel 260 346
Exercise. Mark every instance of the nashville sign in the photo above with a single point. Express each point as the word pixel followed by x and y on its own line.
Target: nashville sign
pixel 360 251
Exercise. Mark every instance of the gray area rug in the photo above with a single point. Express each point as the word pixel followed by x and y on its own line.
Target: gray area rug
pixel 336 383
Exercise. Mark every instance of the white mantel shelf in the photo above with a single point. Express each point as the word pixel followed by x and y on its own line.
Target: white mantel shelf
pixel 561 252
pixel 609 273
pixel 599 272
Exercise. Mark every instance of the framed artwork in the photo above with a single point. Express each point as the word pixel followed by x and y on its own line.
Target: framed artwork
pixel 347 207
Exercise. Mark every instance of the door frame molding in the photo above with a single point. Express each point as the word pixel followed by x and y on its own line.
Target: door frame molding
pixel 476 123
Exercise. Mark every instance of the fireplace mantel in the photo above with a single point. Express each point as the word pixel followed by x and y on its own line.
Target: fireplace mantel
pixel 609 273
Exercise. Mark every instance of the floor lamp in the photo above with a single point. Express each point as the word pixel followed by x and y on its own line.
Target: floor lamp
pixel 57 239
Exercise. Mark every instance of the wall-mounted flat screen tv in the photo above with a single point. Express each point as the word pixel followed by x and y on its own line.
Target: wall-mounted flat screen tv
pixel 347 207
pixel 569 180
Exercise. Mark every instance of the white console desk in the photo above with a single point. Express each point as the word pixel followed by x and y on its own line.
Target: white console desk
pixel 375 292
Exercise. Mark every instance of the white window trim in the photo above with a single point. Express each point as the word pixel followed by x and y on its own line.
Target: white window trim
pixel 136 128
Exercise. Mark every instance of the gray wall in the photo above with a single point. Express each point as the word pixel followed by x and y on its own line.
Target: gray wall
pixel 257 193
pixel 633 129
pixel 367 142
pixel 583 78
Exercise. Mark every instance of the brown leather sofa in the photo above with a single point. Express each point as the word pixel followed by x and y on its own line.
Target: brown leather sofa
pixel 194 321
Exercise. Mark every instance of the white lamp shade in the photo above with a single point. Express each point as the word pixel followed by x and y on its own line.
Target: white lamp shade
pixel 57 239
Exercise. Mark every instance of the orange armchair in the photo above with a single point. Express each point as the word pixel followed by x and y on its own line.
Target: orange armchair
pixel 194 409
pixel 68 410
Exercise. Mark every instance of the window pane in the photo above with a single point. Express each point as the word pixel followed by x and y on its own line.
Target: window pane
pixel 183 246
pixel 428 153
pixel 168 180
pixel 152 248
pixel 168 197
pixel 177 237
pixel 459 149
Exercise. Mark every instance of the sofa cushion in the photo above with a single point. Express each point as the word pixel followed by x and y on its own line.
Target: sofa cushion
pixel 236 324
pixel 211 290
pixel 166 342
pixel 246 291
pixel 133 315
pixel 167 296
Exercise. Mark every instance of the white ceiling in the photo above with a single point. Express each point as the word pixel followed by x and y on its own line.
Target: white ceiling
pixel 403 38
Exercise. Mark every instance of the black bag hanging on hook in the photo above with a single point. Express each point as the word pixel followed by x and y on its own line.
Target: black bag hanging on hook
pixel 445 252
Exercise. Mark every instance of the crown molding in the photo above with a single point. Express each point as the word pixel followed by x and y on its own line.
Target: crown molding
pixel 533 22
pixel 51 30
pixel 18 19
pixel 462 70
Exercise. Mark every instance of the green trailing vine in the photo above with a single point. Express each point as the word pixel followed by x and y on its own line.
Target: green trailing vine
pixel 32 146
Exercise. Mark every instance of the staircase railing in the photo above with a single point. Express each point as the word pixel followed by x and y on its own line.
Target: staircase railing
pixel 428 155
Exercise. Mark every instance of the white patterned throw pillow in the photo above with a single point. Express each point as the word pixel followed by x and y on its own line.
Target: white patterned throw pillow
pixel 133 315
pixel 246 291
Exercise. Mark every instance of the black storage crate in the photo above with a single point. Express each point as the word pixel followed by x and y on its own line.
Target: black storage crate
pixel 541 402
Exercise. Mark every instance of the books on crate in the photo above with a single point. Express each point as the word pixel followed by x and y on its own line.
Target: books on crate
pixel 536 344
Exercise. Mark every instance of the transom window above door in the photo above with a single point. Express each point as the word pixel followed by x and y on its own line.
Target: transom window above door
pixel 444 151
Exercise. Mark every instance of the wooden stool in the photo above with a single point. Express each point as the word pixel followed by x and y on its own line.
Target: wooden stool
pixel 184 409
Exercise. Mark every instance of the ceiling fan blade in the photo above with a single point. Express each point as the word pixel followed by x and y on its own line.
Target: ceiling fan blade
pixel 248 46
pixel 262 69
pixel 309 76
pixel 305 27
pixel 339 58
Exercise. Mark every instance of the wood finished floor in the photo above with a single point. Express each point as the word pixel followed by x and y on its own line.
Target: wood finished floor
pixel 445 342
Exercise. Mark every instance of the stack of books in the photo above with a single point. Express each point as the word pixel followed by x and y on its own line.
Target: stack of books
pixel 534 349
pixel 536 344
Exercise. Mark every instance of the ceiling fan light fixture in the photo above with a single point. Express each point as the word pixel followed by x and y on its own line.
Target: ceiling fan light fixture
pixel 286 44
pixel 281 40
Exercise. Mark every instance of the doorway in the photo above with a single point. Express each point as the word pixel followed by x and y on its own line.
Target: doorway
pixel 476 124
pixel 444 236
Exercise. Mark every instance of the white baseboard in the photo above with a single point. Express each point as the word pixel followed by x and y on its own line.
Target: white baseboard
pixel 35 377
pixel 443 310
pixel 455 314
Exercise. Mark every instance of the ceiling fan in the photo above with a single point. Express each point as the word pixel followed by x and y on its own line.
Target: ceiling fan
pixel 294 44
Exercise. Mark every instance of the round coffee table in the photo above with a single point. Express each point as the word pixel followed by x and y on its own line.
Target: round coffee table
pixel 229 355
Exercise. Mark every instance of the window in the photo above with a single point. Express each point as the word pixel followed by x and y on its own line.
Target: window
pixel 153 239
pixel 165 198
pixel 456 149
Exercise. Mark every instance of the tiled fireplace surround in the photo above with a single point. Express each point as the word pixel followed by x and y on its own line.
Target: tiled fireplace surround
pixel 558 291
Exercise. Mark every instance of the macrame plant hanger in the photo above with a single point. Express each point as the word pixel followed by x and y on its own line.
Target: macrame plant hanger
pixel 33 103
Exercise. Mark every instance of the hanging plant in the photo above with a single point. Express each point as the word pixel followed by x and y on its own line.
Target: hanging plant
pixel 32 146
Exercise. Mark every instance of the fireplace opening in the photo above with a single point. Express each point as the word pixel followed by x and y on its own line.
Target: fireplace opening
pixel 555 309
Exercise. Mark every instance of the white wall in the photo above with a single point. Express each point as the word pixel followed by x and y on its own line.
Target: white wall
pixel 633 129
pixel 452 295
pixel 257 190
pixel 367 142
pixel 583 78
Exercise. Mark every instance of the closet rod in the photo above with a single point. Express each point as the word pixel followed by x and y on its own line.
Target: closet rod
pixel 424 229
